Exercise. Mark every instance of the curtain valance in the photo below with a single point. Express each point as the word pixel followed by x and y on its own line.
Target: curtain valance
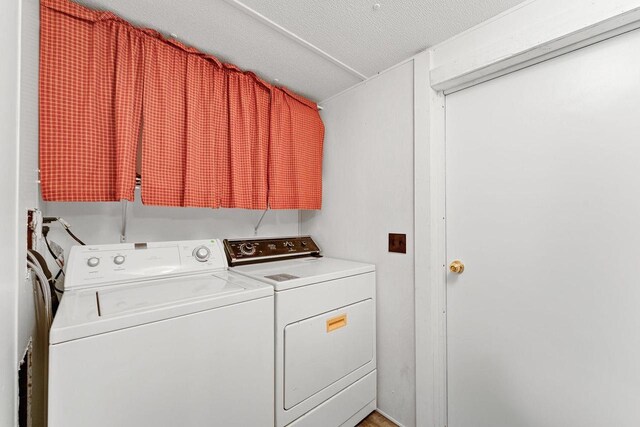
pixel 209 134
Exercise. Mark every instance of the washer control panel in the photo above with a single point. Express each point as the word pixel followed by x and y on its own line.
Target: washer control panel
pixel 112 264
pixel 245 251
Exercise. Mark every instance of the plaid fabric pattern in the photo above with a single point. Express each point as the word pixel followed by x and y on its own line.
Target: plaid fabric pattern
pixel 295 152
pixel 90 104
pixel 243 182
pixel 211 135
pixel 185 131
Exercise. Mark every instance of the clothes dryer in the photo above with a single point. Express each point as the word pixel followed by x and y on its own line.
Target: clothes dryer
pixel 325 329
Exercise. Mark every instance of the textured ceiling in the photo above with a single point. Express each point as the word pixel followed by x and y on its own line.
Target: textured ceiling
pixel 371 40
pixel 365 38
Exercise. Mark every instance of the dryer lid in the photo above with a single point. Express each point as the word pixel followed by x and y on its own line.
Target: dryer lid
pixel 294 273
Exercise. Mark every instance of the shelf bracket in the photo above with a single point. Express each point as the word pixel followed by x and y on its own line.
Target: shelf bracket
pixel 123 226
pixel 255 229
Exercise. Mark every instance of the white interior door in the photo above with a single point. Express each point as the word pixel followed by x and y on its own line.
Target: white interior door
pixel 543 208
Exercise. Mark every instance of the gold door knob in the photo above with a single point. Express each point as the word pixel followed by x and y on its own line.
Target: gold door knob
pixel 456 267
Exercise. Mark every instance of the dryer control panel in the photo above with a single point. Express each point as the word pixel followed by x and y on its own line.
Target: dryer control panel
pixel 246 251
pixel 125 262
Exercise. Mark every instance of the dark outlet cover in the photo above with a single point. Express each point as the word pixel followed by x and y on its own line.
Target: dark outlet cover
pixel 398 243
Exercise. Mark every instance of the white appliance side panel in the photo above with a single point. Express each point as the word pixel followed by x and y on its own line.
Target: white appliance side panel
pixel 323 349
pixel 208 368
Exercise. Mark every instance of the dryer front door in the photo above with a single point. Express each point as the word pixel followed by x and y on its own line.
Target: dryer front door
pixel 323 349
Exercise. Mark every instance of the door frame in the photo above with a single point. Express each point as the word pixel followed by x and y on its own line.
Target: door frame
pixel 538 30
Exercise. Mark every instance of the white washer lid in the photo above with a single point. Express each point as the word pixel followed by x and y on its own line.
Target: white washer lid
pixel 144 296
pixel 293 273
pixel 87 312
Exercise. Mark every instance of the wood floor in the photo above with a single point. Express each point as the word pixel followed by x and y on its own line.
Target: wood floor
pixel 375 419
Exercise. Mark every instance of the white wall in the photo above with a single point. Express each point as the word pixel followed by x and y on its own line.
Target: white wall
pixel 9 84
pixel 28 184
pixel 368 193
pixel 29 197
pixel 19 191
pixel 99 223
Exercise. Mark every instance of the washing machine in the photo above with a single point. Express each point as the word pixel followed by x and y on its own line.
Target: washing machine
pixel 325 329
pixel 160 334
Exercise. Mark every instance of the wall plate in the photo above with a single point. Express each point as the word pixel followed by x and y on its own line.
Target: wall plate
pixel 398 243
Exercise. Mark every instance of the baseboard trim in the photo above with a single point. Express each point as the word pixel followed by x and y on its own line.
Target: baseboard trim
pixel 390 418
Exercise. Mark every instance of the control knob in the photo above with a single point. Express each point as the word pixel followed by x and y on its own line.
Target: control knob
pixel 201 253
pixel 118 259
pixel 248 248
pixel 93 261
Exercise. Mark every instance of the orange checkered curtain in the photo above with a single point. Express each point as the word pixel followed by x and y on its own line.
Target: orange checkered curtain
pixel 243 180
pixel 185 133
pixel 295 152
pixel 90 103
pixel 211 135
